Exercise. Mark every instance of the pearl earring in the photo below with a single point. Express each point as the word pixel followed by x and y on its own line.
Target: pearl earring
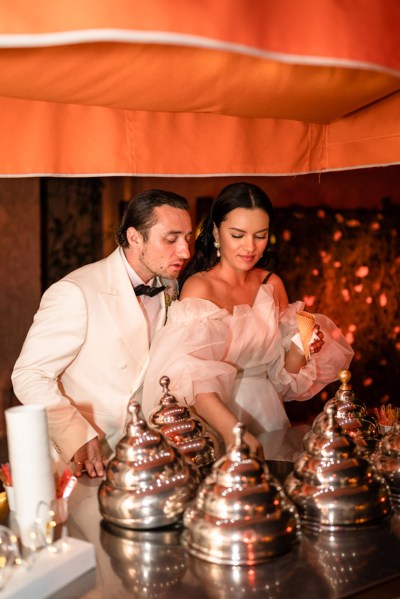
pixel 217 246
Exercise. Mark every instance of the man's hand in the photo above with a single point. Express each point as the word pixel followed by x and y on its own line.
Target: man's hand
pixel 90 458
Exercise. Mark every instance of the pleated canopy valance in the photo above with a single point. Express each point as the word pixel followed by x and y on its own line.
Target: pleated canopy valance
pixel 189 88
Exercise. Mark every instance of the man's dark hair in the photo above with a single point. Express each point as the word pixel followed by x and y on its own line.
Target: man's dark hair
pixel 140 212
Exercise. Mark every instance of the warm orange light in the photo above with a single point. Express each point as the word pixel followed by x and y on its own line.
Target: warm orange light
pixel 346 295
pixel 309 300
pixel 325 257
pixel 362 271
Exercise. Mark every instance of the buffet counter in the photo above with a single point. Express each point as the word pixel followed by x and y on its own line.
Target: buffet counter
pixel 154 563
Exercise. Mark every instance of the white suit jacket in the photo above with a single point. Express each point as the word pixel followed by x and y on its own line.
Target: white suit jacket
pixel 85 355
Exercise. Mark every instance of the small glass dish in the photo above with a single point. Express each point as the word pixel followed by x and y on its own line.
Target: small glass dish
pixel 3 506
pixel 384 428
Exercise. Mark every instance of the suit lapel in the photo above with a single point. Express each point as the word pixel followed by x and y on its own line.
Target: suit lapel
pixel 124 309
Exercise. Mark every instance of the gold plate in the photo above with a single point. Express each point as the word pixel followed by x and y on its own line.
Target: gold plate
pixel 3 507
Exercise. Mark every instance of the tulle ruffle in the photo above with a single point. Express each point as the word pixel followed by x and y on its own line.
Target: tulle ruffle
pixel 190 350
pixel 204 348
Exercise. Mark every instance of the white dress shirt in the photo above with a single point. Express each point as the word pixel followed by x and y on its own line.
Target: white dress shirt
pixel 151 306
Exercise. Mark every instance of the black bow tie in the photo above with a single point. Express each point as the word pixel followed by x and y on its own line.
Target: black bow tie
pixel 147 290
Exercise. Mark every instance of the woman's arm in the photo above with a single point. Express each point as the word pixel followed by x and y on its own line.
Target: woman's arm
pixel 294 360
pixel 211 409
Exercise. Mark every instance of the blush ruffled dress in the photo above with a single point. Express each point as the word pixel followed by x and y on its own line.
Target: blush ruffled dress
pixel 240 356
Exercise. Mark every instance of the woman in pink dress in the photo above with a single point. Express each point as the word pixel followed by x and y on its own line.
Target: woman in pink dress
pixel 229 345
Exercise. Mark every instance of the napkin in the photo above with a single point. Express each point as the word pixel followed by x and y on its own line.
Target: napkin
pixel 31 467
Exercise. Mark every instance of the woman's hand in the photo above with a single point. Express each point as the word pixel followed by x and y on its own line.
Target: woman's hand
pixel 211 409
pixel 255 446
pixel 316 346
pixel 295 359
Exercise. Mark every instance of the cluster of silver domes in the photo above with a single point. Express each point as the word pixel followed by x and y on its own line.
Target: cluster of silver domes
pixel 333 483
pixel 233 510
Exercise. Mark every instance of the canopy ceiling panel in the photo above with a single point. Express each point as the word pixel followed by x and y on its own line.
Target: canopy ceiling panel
pixel 198 88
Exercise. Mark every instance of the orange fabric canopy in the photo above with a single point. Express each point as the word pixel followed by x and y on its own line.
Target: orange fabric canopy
pixel 198 88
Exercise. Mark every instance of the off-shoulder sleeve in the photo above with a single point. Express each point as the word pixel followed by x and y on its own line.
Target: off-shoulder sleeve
pixel 190 350
pixel 321 369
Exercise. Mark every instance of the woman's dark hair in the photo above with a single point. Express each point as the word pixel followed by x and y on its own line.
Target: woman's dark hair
pixel 235 195
pixel 140 212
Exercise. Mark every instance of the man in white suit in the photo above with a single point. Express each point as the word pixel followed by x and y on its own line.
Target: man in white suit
pixel 87 350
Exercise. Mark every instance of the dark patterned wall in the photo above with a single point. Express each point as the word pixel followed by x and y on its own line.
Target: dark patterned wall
pixel 71 225
pixel 346 264
pixel 19 274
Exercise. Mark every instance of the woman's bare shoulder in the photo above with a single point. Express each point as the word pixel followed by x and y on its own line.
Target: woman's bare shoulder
pixel 197 285
pixel 280 294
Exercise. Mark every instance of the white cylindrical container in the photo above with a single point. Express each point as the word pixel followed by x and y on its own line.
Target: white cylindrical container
pixel 31 468
pixel 10 497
